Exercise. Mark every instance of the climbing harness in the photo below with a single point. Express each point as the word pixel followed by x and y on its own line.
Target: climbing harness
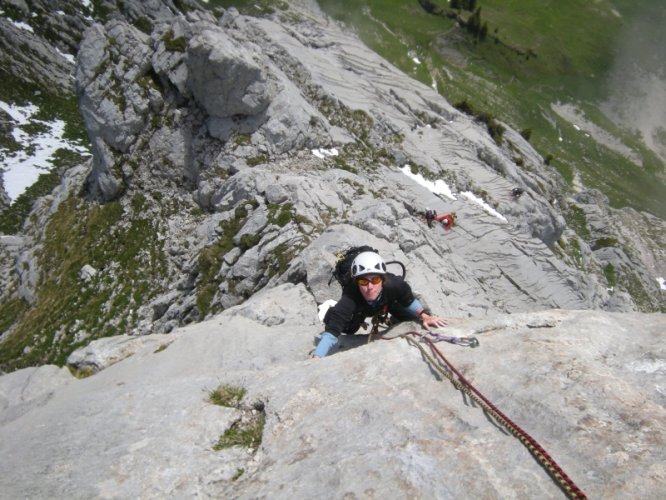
pixel 381 318
pixel 462 384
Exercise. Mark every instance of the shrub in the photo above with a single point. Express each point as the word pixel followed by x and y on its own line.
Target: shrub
pixel 174 44
pixel 144 24
pixel 604 243
pixel 611 277
pixel 526 133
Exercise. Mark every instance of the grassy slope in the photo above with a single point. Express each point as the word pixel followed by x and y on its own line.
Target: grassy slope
pixel 68 312
pixel 574 45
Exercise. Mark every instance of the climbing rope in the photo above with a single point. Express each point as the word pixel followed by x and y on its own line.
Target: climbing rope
pixel 462 384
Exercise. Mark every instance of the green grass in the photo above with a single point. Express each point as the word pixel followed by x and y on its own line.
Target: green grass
pixel 10 311
pixel 13 217
pixel 248 430
pixel 227 395
pixel 247 435
pixel 534 55
pixel 130 264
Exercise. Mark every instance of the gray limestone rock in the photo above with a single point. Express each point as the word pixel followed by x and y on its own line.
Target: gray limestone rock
pixel 219 127
pixel 372 418
pixel 102 353
pixel 225 78
pixel 34 62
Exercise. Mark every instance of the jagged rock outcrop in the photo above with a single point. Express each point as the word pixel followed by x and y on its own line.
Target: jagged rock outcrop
pixel 374 420
pixel 212 86
pixel 619 238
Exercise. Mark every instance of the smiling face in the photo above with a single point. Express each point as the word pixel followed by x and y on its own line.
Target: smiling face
pixel 370 286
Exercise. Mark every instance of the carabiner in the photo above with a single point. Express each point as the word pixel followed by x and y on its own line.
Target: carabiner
pixel 469 341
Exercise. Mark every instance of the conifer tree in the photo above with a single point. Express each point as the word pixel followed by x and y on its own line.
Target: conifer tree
pixel 474 22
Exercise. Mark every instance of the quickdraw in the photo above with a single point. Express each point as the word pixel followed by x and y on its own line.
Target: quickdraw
pixel 567 486
pixel 438 337
pixel 383 318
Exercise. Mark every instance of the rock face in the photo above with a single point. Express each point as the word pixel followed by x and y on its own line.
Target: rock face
pixel 250 150
pixel 223 105
pixel 33 61
pixel 230 108
pixel 257 147
pixel 375 420
pixel 224 85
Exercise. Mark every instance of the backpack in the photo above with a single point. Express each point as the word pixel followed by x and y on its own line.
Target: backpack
pixel 342 269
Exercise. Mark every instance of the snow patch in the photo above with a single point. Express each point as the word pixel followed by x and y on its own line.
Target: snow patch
pixel 323 153
pixel 472 197
pixel 23 26
pixel 437 187
pixel 21 169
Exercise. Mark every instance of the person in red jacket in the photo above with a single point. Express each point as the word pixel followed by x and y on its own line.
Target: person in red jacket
pixel 447 220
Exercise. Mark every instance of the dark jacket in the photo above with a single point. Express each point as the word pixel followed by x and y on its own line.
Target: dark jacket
pixel 351 311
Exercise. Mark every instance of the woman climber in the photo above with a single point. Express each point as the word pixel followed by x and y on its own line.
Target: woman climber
pixel 372 291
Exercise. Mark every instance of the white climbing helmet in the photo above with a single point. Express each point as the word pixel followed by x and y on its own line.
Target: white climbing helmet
pixel 367 263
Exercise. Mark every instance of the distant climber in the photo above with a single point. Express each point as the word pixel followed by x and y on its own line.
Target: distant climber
pixel 430 216
pixel 447 220
pixel 516 192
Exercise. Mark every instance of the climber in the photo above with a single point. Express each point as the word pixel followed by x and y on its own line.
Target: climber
pixel 430 216
pixel 447 220
pixel 516 192
pixel 371 291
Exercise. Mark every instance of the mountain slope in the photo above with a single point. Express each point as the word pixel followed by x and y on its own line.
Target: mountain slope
pixel 182 266
pixel 204 190
pixel 597 59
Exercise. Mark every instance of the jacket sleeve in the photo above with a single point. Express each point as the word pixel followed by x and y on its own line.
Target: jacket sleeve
pixel 326 343
pixel 340 315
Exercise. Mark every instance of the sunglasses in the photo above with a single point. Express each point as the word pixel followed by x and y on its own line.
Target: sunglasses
pixel 375 280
